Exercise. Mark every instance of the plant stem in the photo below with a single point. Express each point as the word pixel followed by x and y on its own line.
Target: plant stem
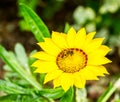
pixel 111 91
pixel 107 96
pixel 81 95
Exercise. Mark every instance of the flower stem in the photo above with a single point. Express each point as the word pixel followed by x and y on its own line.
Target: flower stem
pixel 107 95
pixel 81 95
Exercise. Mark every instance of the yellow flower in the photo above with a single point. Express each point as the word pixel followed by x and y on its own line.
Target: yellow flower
pixel 72 58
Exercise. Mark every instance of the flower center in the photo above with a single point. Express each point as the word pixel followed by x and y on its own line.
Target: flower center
pixel 71 60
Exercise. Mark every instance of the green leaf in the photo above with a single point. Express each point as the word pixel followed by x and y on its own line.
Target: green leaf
pixel 104 97
pixel 35 23
pixel 11 61
pixel 11 88
pixel 42 76
pixel 21 98
pixel 31 60
pixel 32 4
pixel 22 57
pixel 52 93
pixel 24 26
pixel 68 96
pixel 67 27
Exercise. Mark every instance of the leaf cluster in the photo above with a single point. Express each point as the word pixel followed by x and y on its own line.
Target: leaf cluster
pixel 20 84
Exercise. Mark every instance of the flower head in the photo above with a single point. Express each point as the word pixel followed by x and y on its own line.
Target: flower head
pixel 72 58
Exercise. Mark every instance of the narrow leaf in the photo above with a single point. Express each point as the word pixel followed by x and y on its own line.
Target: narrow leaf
pixel 11 61
pixel 22 57
pixel 31 60
pixel 42 76
pixel 68 96
pixel 21 98
pixel 67 27
pixel 106 95
pixel 52 93
pixel 35 23
pixel 11 88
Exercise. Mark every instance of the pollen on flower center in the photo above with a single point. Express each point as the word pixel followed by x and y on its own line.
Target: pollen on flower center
pixel 71 60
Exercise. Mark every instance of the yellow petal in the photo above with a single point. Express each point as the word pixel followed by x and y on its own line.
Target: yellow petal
pixel 89 37
pixel 97 60
pixel 67 80
pixel 88 75
pixel 79 80
pixel 49 47
pixel 97 70
pixel 56 82
pixel 100 52
pixel 44 56
pixel 93 45
pixel 102 69
pixel 52 75
pixel 59 39
pixel 80 38
pixel 44 66
pixel 71 37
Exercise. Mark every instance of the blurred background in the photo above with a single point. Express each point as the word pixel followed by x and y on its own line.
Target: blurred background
pixel 102 16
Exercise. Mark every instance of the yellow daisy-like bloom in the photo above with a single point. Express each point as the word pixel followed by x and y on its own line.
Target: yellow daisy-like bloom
pixel 72 58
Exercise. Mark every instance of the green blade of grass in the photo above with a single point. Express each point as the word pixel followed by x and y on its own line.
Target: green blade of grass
pixel 35 23
pixel 106 95
pixel 109 91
